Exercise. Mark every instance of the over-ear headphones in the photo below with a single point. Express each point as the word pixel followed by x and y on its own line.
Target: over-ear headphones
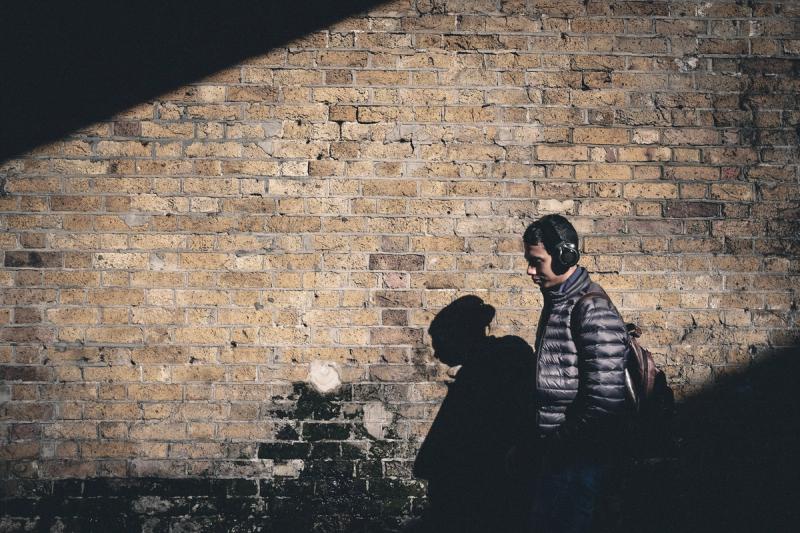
pixel 567 254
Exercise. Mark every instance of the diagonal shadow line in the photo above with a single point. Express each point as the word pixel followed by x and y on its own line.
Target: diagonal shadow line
pixel 66 65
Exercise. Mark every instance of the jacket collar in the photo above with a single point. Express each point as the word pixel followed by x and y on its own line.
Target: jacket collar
pixel 554 294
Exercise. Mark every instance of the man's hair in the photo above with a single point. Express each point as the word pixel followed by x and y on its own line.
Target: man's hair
pixel 549 231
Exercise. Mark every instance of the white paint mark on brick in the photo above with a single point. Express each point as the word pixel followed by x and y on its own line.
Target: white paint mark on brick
pixel 376 419
pixel 272 129
pixel 48 449
pixel 266 146
pixel 323 376
pixel 687 64
pixel 701 9
pixel 157 261
pixel 134 220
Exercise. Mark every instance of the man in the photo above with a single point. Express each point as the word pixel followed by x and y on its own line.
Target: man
pixel 579 400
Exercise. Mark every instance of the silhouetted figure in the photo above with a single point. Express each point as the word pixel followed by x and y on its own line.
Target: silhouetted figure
pixel 464 454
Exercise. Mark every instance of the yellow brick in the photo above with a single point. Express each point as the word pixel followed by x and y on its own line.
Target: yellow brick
pixel 70 430
pixel 272 336
pixel 158 431
pixel 199 335
pixel 604 208
pixel 123 148
pixel 201 297
pixel 156 316
pixel 732 191
pixel 244 316
pixel 114 335
pixel 600 136
pixel 116 296
pixel 155 392
pixel 213 112
pixel 211 149
pixel 73 315
pixel 121 260
pixel 645 154
pixel 246 432
pixel 651 190
pixel 561 153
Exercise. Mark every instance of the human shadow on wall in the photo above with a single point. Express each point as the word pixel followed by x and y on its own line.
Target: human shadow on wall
pixel 463 455
pixel 737 467
pixel 67 64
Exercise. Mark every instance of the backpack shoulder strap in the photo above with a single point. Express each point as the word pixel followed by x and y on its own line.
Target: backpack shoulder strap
pixel 589 295
pixel 632 330
pixel 579 303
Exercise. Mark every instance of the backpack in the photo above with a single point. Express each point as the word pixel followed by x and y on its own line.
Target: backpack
pixel 649 395
pixel 645 384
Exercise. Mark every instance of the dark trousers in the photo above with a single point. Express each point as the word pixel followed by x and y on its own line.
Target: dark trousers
pixel 564 496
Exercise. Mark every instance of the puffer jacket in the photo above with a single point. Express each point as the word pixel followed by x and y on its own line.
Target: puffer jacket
pixel 580 403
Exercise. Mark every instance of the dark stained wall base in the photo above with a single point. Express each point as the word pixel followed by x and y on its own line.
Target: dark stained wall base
pixel 161 504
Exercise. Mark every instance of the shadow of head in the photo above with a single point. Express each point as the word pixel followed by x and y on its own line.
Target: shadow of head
pixel 458 327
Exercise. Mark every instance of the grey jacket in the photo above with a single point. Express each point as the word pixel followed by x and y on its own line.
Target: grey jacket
pixel 580 360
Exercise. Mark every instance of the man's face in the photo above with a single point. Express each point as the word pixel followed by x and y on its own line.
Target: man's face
pixel 540 266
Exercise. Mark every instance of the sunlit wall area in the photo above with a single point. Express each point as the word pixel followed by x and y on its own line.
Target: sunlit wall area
pixel 224 291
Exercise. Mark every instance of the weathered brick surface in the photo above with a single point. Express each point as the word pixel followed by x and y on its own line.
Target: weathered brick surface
pixel 171 275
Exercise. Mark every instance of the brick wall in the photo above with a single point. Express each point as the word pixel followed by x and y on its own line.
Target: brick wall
pixel 176 278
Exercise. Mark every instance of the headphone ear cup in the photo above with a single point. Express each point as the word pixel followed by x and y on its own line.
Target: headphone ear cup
pixel 568 254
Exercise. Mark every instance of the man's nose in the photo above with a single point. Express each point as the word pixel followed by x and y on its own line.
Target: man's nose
pixel 531 270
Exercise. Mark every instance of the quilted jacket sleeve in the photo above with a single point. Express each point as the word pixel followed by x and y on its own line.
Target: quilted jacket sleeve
pixel 601 340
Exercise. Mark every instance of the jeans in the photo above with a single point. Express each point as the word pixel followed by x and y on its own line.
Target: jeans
pixel 564 497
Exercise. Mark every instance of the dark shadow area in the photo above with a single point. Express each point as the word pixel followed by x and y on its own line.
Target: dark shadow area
pixel 737 466
pixel 734 465
pixel 463 456
pixel 66 64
